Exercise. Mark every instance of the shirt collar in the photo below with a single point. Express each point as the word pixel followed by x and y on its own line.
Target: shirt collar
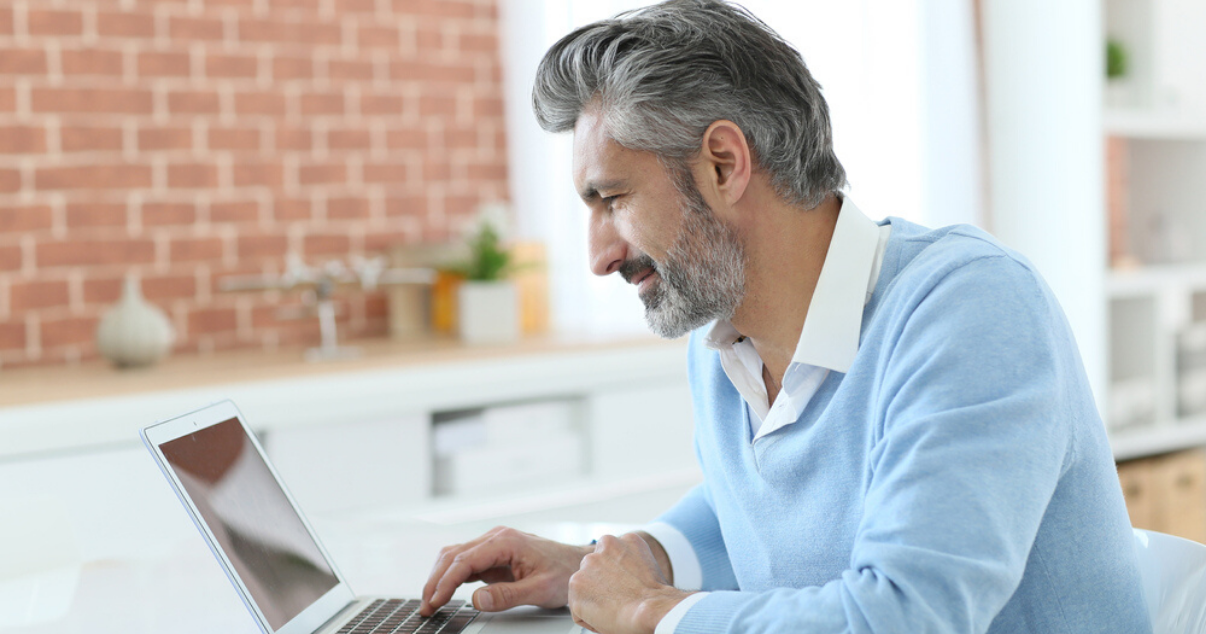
pixel 830 335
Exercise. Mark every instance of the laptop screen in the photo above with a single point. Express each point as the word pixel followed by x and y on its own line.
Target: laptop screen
pixel 252 520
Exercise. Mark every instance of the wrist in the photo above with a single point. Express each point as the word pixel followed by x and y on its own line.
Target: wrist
pixel 653 608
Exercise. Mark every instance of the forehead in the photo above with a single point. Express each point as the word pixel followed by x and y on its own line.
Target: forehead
pixel 598 160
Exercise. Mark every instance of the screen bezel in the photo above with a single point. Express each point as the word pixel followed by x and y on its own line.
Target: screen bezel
pixel 322 610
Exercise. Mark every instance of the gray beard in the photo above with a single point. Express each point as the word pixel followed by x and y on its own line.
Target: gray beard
pixel 703 275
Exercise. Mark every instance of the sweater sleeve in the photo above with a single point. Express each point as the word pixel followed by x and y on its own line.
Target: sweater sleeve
pixel 694 517
pixel 973 438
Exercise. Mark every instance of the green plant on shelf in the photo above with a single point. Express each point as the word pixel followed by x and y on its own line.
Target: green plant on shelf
pixel 1116 59
pixel 489 260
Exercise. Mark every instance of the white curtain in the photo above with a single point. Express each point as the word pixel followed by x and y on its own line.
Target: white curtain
pixel 899 76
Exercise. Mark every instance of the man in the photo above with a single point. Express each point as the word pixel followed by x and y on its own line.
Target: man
pixel 894 426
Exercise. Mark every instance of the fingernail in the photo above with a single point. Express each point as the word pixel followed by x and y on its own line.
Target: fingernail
pixel 483 601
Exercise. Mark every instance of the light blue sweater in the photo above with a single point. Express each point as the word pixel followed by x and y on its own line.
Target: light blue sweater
pixel 956 479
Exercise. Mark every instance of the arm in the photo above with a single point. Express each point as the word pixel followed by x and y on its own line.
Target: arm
pixel 971 449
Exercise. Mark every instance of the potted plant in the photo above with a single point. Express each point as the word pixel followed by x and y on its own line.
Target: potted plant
pixel 488 305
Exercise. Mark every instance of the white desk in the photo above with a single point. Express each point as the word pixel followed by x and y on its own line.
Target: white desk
pixel 144 569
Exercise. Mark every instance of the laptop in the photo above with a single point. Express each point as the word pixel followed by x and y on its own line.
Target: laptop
pixel 270 553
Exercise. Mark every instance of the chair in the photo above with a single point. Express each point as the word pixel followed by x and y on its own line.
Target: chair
pixel 1173 572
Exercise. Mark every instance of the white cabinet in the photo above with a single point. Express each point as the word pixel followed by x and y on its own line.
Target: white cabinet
pixel 1155 124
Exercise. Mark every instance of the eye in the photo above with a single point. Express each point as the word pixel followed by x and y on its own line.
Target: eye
pixel 609 200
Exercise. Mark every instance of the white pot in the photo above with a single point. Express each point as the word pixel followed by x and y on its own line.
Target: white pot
pixel 488 312
pixel 134 333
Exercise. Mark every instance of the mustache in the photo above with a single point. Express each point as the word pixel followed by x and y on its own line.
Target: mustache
pixel 630 268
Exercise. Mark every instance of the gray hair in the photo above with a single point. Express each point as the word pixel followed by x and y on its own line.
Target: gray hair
pixel 661 75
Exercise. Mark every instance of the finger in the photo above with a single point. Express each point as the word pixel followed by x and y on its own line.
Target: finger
pixel 532 590
pixel 443 561
pixel 465 565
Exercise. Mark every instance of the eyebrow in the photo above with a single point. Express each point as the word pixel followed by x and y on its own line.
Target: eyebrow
pixel 590 190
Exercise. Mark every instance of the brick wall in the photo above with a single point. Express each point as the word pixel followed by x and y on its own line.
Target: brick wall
pixel 188 140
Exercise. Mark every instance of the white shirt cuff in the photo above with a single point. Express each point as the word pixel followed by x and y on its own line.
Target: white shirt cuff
pixel 683 561
pixel 670 622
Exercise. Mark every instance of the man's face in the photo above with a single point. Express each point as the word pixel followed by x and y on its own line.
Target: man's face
pixel 688 264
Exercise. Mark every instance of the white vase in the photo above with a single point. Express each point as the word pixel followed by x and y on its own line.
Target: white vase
pixel 134 333
pixel 488 312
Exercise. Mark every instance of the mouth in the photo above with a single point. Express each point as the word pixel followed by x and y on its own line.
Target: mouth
pixel 642 279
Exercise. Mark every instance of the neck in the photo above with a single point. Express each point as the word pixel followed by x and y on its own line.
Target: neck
pixel 785 250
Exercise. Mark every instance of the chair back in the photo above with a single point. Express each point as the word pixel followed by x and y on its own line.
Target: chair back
pixel 1173 571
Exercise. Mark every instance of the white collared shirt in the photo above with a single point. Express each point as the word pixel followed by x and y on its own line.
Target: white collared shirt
pixel 828 342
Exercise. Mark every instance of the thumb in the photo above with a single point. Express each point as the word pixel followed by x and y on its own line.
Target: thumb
pixel 506 595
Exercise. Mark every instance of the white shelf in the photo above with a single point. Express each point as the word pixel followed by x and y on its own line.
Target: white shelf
pixel 1157 439
pixel 1149 280
pixel 1154 124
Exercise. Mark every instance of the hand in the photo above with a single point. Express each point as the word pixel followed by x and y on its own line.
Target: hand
pixel 620 589
pixel 519 568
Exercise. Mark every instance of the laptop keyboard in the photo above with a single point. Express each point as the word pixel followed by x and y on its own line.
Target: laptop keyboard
pixel 395 616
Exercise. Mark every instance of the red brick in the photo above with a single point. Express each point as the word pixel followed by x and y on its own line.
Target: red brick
pixel 406 139
pixel 322 103
pixel 436 169
pixel 192 175
pixel 460 138
pixel 478 42
pixel 150 139
pixel 8 100
pixel 95 252
pixel 108 176
pixel 431 39
pixel 193 102
pixel 92 100
pixel 265 103
pixel 427 71
pixel 284 209
pixel 68 331
pixel 385 173
pixel 195 29
pixel 293 4
pixel 378 37
pixel 258 174
pixel 380 104
pixel 12 336
pixel 350 6
pixel 292 68
pixel 161 214
pixel 10 258
pixel 87 139
pixel 96 215
pixel 322 173
pixel 350 70
pixel 37 294
pixel 10 181
pixel 347 208
pixel 211 320
pixel 279 31
pixel 487 107
pixel 162 288
pixel 6 21
pixel 92 62
pixel 14 220
pixel 110 24
pixel 290 138
pixel 460 205
pixel 349 140
pixel 262 246
pixel 380 241
pixel 22 139
pixel 231 66
pixel 243 211
pixel 195 249
pixel 436 106
pixel 16 61
pixel 55 22
pixel 402 206
pixel 326 244
pixel 435 8
pixel 234 139
pixel 487 171
pixel 156 64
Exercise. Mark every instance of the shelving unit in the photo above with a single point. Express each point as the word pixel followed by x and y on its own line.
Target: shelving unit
pixel 1155 291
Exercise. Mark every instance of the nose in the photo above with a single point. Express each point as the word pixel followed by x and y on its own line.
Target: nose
pixel 607 248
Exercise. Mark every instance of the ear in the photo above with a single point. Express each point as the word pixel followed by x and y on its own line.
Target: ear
pixel 725 155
